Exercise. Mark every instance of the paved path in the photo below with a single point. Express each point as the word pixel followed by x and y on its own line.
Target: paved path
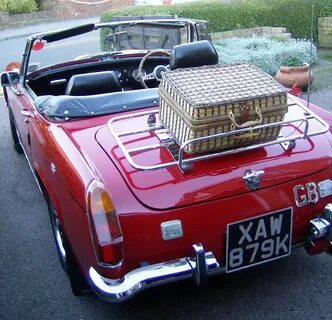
pixel 33 286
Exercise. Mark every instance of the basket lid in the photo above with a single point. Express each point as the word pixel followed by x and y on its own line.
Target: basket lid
pixel 222 84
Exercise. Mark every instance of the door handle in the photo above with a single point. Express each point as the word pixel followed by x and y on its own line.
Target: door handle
pixel 26 113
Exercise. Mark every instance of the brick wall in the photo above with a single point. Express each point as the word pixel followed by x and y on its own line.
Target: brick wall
pixel 18 20
pixel 83 8
pixel 52 10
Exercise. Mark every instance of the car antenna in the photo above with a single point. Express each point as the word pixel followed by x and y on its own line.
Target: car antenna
pixel 310 54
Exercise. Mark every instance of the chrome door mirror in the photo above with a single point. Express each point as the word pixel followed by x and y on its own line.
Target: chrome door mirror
pixel 9 78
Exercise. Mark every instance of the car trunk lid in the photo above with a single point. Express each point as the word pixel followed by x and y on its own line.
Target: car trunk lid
pixel 210 179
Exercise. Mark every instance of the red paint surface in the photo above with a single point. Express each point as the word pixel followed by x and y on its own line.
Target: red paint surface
pixel 205 200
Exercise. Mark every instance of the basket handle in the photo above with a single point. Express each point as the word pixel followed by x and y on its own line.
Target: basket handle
pixel 247 124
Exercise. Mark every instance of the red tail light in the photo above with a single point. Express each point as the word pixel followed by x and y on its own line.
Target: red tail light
pixel 104 224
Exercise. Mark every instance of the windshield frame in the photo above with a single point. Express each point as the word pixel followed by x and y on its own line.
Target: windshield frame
pixel 58 35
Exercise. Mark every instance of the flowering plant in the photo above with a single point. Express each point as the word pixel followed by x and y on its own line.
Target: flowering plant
pixel 266 53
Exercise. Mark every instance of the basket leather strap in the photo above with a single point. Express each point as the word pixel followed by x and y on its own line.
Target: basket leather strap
pixel 247 124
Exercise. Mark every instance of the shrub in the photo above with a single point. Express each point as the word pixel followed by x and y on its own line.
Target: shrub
pixel 295 15
pixel 18 6
pixel 2 5
pixel 267 54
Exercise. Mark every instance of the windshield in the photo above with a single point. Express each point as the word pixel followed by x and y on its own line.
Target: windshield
pixel 108 39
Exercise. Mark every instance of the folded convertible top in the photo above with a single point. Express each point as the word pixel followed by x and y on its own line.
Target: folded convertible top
pixel 85 106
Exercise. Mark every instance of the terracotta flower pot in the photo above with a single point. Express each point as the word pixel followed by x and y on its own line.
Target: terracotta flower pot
pixel 289 76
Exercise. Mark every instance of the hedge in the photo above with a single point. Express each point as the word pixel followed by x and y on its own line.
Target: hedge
pixel 18 6
pixel 295 15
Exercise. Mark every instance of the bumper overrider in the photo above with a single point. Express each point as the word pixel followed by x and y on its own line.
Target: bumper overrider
pixel 320 237
pixel 199 267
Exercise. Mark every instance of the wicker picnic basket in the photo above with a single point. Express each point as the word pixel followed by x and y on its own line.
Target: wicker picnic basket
pixel 203 101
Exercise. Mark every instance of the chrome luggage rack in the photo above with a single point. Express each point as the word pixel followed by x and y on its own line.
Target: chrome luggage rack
pixel 185 163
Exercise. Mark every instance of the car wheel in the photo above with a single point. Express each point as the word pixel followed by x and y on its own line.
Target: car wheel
pixel 68 261
pixel 13 130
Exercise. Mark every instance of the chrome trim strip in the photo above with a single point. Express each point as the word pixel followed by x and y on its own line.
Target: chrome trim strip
pixel 117 23
pixel 29 163
pixel 122 289
pixel 142 278
pixel 25 60
pixel 58 81
pixel 184 163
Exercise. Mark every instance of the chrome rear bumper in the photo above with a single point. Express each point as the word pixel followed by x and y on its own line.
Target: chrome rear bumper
pixel 199 268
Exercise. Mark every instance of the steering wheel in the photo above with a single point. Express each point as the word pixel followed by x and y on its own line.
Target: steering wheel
pixel 156 73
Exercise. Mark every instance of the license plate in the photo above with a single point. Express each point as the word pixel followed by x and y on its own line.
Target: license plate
pixel 254 241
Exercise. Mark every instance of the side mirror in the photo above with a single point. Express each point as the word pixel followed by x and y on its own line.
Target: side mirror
pixel 10 78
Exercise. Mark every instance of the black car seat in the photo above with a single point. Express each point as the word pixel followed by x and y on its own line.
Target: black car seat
pixel 193 54
pixel 93 83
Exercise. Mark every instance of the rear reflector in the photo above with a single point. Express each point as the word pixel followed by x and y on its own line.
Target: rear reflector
pixel 171 230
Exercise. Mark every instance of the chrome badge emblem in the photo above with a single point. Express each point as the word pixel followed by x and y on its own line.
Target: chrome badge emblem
pixel 252 178
pixel 53 168
pixel 311 192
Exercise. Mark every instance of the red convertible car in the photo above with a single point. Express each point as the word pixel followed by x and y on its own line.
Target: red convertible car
pixel 129 208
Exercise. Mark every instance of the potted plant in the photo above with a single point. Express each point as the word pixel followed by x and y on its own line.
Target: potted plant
pixel 294 71
pixel 290 56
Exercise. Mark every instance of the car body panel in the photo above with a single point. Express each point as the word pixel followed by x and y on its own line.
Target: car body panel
pixel 141 223
pixel 210 179
pixel 67 155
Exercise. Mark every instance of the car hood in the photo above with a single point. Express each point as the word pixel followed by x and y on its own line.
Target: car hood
pixel 209 180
